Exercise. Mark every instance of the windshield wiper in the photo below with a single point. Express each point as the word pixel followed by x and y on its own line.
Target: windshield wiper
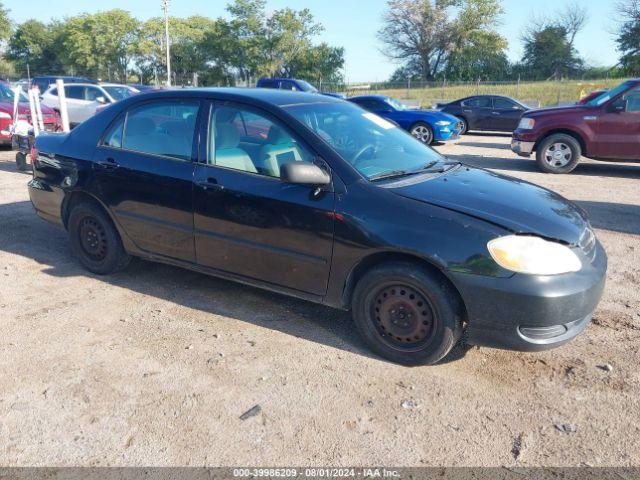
pixel 400 173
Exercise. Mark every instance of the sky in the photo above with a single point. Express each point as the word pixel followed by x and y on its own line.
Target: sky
pixel 353 24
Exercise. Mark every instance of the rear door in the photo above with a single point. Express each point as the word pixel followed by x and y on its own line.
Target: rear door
pixel 505 114
pixel 247 221
pixel 75 103
pixel 477 111
pixel 619 131
pixel 144 172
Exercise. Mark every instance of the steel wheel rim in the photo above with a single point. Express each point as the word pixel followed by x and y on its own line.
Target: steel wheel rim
pixel 422 133
pixel 403 316
pixel 93 239
pixel 558 155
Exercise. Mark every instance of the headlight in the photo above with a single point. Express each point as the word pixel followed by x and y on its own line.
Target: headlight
pixel 443 123
pixel 533 255
pixel 526 123
pixel 5 115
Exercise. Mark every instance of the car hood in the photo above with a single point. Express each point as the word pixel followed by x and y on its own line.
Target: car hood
pixel 23 108
pixel 435 115
pixel 556 110
pixel 511 203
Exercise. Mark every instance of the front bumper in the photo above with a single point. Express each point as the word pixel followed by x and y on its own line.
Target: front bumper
pixel 447 134
pixel 531 313
pixel 522 148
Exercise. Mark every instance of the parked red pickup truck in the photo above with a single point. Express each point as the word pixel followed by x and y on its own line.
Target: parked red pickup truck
pixel 605 128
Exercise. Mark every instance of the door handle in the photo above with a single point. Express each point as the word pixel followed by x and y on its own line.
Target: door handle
pixel 495 113
pixel 211 184
pixel 110 163
pixel 466 111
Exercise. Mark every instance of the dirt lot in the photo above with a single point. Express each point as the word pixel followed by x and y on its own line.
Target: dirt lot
pixel 155 365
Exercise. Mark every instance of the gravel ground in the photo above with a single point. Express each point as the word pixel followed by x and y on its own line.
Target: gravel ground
pixel 156 365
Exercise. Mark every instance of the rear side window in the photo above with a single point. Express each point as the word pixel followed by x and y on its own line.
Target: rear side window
pixel 478 102
pixel 162 128
pixel 268 83
pixel 73 92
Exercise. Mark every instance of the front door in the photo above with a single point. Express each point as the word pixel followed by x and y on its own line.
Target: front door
pixel 247 221
pixel 619 131
pixel 505 115
pixel 144 172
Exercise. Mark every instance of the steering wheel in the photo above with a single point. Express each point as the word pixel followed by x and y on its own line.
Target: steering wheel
pixel 361 152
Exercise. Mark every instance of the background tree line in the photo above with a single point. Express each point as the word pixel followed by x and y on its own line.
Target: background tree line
pixel 458 40
pixel 113 45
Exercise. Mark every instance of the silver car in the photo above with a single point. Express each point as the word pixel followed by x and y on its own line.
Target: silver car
pixel 84 99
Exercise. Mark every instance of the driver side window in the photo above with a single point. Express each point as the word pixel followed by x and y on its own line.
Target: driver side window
pixel 633 100
pixel 242 139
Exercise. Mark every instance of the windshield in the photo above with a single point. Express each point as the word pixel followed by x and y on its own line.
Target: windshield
pixel 606 96
pixel 307 87
pixel 398 105
pixel 6 94
pixel 374 146
pixel 119 93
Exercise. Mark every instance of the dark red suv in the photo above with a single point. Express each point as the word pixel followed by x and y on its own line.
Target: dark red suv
pixel 605 128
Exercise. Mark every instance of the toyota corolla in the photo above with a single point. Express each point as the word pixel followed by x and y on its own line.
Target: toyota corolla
pixel 314 197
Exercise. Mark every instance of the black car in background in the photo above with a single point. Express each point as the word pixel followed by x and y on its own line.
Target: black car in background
pixel 313 197
pixel 486 112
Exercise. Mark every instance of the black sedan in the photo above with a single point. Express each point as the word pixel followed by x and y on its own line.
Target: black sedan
pixel 486 112
pixel 316 198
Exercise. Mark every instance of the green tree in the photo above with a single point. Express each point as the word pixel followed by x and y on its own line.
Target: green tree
pixel 37 45
pixel 629 37
pixel 188 56
pixel 102 44
pixel 481 56
pixel 424 33
pixel 5 23
pixel 549 54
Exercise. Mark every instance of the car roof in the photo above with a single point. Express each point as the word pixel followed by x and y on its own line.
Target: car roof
pixel 280 98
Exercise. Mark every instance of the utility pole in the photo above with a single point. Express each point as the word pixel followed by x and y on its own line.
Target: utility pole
pixel 165 9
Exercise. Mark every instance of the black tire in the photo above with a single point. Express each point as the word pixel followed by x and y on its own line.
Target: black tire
pixel 465 126
pixel 21 161
pixel 407 314
pixel 95 240
pixel 423 132
pixel 558 153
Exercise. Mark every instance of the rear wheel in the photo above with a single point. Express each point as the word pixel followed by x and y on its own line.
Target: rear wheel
pixel 95 240
pixel 559 153
pixel 407 314
pixel 422 132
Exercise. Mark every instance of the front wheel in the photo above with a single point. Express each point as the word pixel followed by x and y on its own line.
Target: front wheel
pixel 559 153
pixel 95 240
pixel 422 132
pixel 465 126
pixel 407 314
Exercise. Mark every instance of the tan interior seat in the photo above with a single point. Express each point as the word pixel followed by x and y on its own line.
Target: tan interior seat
pixel 228 152
pixel 278 150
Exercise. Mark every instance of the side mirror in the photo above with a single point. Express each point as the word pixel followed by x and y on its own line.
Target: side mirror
pixel 304 173
pixel 101 99
pixel 618 106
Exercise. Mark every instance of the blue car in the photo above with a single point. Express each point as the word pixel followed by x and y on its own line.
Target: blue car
pixel 428 126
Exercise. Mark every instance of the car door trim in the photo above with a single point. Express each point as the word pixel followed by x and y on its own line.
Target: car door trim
pixel 263 246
